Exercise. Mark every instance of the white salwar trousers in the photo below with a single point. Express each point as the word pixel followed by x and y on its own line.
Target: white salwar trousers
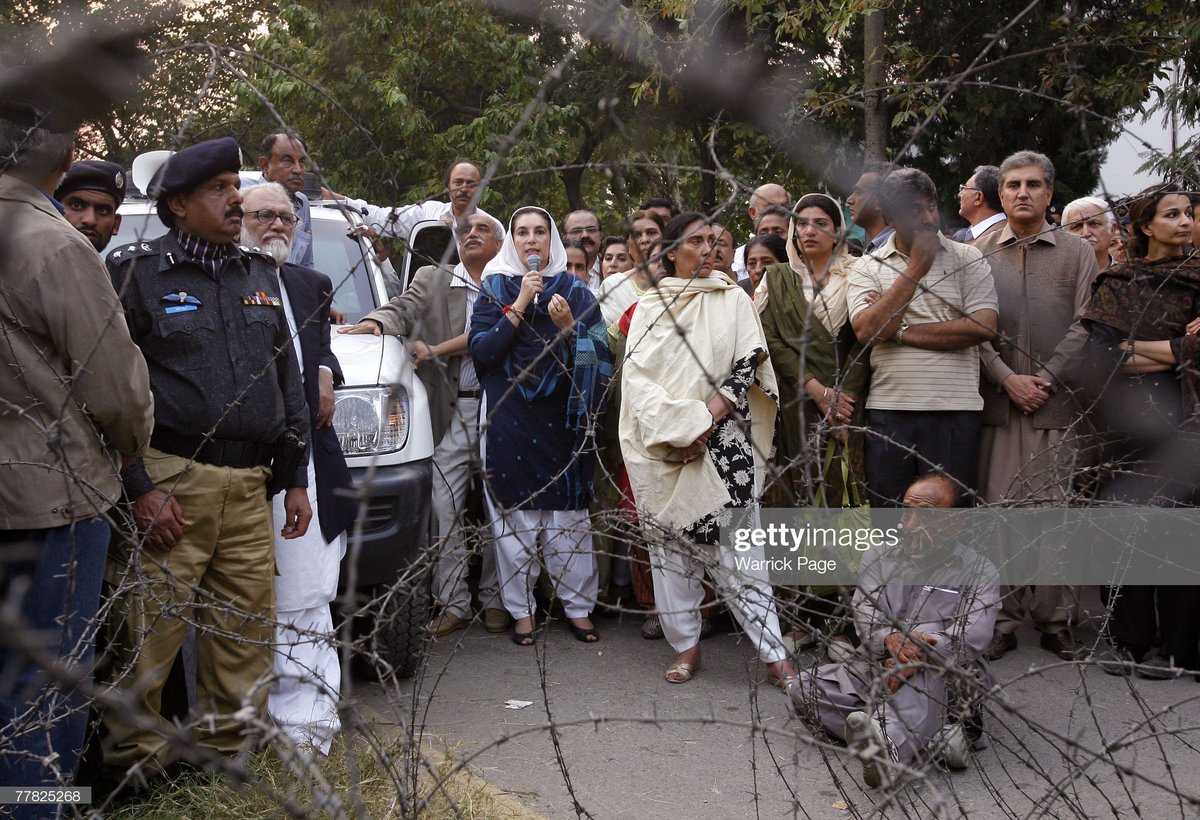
pixel 679 590
pixel 303 700
pixel 562 539
pixel 304 696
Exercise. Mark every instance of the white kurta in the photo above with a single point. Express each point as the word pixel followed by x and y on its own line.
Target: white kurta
pixel 303 699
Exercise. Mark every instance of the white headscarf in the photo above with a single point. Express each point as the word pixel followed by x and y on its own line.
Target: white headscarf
pixel 510 263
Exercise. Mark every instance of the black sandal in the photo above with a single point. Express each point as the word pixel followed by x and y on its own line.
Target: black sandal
pixel 525 638
pixel 584 634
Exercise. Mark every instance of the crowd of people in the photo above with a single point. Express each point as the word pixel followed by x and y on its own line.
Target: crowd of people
pixel 843 356
pixel 615 395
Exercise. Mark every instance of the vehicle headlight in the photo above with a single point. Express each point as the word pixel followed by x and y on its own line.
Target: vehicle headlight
pixel 371 420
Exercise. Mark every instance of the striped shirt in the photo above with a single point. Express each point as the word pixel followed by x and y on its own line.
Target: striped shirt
pixel 903 377
pixel 467 378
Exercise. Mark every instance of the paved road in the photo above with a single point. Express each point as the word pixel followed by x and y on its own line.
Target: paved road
pixel 633 746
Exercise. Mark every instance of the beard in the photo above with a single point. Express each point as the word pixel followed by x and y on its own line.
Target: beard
pixel 276 246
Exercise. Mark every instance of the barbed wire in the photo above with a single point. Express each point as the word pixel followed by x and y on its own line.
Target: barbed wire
pixel 1076 783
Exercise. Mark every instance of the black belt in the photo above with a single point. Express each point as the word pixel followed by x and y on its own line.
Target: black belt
pixel 215 451
pixel 469 394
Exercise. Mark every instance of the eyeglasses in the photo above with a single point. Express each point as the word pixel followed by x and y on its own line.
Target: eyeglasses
pixel 266 216
pixel 962 188
pixel 582 231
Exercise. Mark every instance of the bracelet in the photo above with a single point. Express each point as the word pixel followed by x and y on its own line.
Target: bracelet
pixel 825 395
pixel 510 309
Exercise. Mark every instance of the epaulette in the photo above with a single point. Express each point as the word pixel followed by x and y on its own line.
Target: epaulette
pixel 127 252
pixel 259 252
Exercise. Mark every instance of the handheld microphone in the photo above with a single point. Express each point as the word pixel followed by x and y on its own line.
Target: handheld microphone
pixel 533 262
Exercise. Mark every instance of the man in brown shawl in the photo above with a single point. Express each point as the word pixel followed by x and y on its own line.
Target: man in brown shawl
pixel 1030 443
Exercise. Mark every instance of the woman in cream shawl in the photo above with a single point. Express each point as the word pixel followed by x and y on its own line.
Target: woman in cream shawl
pixel 695 381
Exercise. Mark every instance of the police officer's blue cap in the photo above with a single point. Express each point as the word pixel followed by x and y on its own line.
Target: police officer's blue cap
pixel 194 165
pixel 93 175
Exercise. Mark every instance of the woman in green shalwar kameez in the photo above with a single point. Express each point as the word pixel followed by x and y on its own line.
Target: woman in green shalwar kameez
pixel 823 372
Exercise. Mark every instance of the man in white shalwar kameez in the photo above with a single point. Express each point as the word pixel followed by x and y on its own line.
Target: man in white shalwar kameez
pixel 304 696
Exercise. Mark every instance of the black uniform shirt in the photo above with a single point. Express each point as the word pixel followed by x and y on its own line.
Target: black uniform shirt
pixel 218 349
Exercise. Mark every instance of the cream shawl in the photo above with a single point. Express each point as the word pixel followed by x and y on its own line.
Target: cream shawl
pixel 666 383
pixel 616 294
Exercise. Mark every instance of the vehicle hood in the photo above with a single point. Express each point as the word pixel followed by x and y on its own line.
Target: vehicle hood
pixel 363 357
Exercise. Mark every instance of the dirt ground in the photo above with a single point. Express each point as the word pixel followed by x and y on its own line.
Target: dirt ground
pixel 1067 740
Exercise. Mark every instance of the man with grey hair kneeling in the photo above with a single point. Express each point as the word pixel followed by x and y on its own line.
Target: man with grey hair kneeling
pixel 304 694
pixel 925 612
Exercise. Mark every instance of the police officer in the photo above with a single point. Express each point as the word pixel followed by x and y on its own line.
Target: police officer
pixel 90 194
pixel 208 317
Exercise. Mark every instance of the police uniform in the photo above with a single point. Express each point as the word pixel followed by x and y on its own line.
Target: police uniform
pixel 94 175
pixel 209 321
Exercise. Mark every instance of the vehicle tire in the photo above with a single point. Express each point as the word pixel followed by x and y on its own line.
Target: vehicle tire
pixel 401 627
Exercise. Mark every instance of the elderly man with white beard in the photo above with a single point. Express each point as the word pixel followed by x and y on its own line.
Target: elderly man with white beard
pixel 303 699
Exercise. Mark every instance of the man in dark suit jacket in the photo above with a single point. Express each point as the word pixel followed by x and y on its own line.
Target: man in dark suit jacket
pixel 303 699
pixel 979 204
pixel 311 293
pixel 433 314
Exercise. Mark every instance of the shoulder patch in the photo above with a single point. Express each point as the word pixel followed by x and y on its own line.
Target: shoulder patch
pixel 127 252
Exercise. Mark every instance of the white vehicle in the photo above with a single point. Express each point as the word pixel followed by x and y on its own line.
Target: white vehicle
pixel 382 421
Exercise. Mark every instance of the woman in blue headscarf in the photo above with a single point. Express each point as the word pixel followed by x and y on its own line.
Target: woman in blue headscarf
pixel 539 346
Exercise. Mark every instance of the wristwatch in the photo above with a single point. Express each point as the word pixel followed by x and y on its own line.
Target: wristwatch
pixel 899 337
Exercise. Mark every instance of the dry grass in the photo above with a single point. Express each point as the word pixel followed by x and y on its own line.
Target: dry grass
pixel 274 789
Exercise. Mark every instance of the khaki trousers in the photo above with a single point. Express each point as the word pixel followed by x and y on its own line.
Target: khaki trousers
pixel 1050 608
pixel 220 576
pixel 1031 467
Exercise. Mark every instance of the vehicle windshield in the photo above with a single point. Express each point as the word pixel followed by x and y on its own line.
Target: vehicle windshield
pixel 342 258
pixel 338 256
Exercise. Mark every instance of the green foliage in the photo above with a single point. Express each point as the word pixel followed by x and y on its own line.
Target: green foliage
pixel 1055 80
pixel 640 98
pixel 186 98
pixel 1177 101
pixel 389 93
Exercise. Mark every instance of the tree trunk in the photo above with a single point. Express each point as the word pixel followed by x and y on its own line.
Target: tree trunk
pixel 875 119
pixel 708 168
pixel 572 178
pixel 619 190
